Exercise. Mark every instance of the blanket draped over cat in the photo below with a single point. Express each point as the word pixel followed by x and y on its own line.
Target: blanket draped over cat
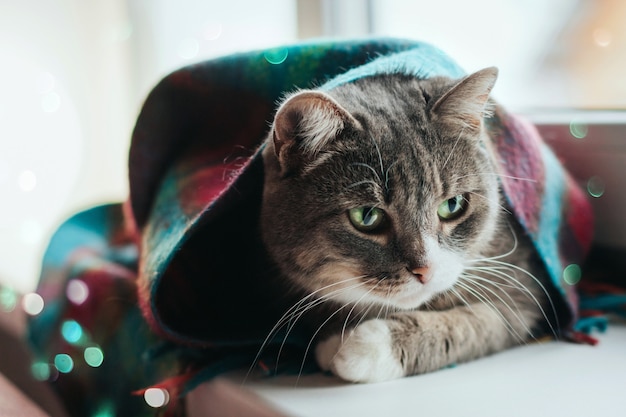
pixel 145 293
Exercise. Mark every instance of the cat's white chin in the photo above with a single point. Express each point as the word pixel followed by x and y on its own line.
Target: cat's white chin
pixel 407 300
pixel 413 296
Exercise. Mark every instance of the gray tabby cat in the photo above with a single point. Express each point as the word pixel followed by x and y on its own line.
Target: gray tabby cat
pixel 382 208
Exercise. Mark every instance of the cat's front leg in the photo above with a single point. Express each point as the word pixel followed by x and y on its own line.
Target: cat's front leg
pixel 409 343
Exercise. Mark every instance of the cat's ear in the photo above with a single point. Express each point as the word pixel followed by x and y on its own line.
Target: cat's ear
pixel 303 125
pixel 463 107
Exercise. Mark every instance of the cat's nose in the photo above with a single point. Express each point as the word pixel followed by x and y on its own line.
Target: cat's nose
pixel 422 274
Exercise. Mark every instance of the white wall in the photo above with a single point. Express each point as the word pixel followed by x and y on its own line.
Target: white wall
pixel 65 113
pixel 73 74
pixel 513 35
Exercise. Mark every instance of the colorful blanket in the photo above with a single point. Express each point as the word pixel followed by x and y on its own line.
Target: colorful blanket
pixel 150 293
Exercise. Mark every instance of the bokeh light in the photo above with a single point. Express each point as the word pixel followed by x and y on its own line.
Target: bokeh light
pixel 276 56
pixel 32 303
pixel 8 299
pixel 64 363
pixel 595 187
pixel 77 291
pixel 40 371
pixel 572 274
pixel 156 397
pixel 602 37
pixel 578 130
pixel 106 409
pixel 94 356
pixel 72 331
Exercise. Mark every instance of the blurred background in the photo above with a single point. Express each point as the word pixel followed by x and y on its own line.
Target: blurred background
pixel 74 73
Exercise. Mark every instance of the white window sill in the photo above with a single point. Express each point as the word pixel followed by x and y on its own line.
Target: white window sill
pixel 546 379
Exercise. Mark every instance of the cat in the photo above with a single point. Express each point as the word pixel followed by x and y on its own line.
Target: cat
pixel 382 208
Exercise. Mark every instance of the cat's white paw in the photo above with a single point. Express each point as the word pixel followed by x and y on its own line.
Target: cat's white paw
pixel 365 354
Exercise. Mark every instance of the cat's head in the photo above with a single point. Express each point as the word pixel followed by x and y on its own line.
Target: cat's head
pixel 381 190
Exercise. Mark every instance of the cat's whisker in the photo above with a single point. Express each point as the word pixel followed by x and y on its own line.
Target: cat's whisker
pixel 484 299
pixel 460 298
pixel 293 311
pixel 458 139
pixel 496 267
pixel 308 347
pixel 309 306
pixel 514 308
pixel 388 304
pixel 296 316
pixel 501 273
pixel 504 209
pixel 427 306
pixel 517 285
pixel 446 294
pixel 365 313
pixel 319 329
pixel 362 164
pixel 356 184
pixel 539 283
pixel 480 174
pixel 530 294
pixel 507 282
pixel 345 324
pixel 364 316
pixel 503 255
pixel 380 156
pixel 517 178
pixel 306 308
pixel 383 307
pixel 387 175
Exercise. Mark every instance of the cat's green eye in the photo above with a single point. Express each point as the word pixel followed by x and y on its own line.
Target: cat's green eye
pixel 366 219
pixel 452 208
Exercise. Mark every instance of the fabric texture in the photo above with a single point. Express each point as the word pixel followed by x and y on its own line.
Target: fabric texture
pixel 153 284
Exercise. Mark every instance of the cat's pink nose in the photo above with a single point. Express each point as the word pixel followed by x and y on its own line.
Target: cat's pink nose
pixel 422 274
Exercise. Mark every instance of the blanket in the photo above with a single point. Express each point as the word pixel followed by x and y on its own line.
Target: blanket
pixel 147 294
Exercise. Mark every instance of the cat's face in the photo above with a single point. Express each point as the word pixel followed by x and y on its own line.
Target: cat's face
pixel 380 191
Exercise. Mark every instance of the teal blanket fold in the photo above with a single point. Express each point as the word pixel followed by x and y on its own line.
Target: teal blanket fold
pixel 162 291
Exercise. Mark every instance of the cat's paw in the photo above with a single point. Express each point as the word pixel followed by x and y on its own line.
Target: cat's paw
pixel 364 354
